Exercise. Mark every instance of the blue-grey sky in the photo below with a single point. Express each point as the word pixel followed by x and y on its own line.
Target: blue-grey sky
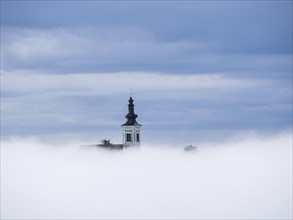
pixel 197 68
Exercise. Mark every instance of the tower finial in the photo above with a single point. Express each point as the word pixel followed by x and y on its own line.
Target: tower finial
pixel 130 92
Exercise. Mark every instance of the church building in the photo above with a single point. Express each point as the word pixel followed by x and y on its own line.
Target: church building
pixel 130 133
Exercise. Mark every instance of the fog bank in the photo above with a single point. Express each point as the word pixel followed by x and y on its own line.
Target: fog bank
pixel 249 178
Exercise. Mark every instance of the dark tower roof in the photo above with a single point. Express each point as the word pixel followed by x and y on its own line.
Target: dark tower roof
pixel 131 116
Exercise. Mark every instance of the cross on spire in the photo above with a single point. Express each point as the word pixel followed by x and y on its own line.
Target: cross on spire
pixel 130 92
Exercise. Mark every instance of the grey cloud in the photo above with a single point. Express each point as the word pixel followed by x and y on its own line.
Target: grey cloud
pixel 194 65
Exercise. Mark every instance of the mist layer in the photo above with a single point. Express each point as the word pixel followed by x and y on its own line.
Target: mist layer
pixel 249 178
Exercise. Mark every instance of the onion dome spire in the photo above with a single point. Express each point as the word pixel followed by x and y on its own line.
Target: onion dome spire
pixel 131 116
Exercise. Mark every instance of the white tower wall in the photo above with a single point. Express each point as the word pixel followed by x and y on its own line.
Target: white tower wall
pixel 131 136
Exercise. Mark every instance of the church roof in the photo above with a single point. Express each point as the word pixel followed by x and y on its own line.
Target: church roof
pixel 131 116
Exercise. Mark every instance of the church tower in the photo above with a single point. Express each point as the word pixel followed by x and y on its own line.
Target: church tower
pixel 131 129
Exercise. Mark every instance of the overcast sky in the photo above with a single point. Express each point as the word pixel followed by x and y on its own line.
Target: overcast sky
pixel 197 69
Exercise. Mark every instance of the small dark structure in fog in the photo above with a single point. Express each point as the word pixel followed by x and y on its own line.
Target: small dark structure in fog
pixel 190 148
pixel 107 144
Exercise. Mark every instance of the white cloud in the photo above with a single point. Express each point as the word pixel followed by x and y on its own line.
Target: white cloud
pixel 64 77
pixel 87 46
pixel 35 101
pixel 249 178
pixel 123 48
pixel 98 84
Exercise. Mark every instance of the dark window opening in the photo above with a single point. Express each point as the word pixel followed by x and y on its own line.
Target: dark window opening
pixel 137 137
pixel 128 137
